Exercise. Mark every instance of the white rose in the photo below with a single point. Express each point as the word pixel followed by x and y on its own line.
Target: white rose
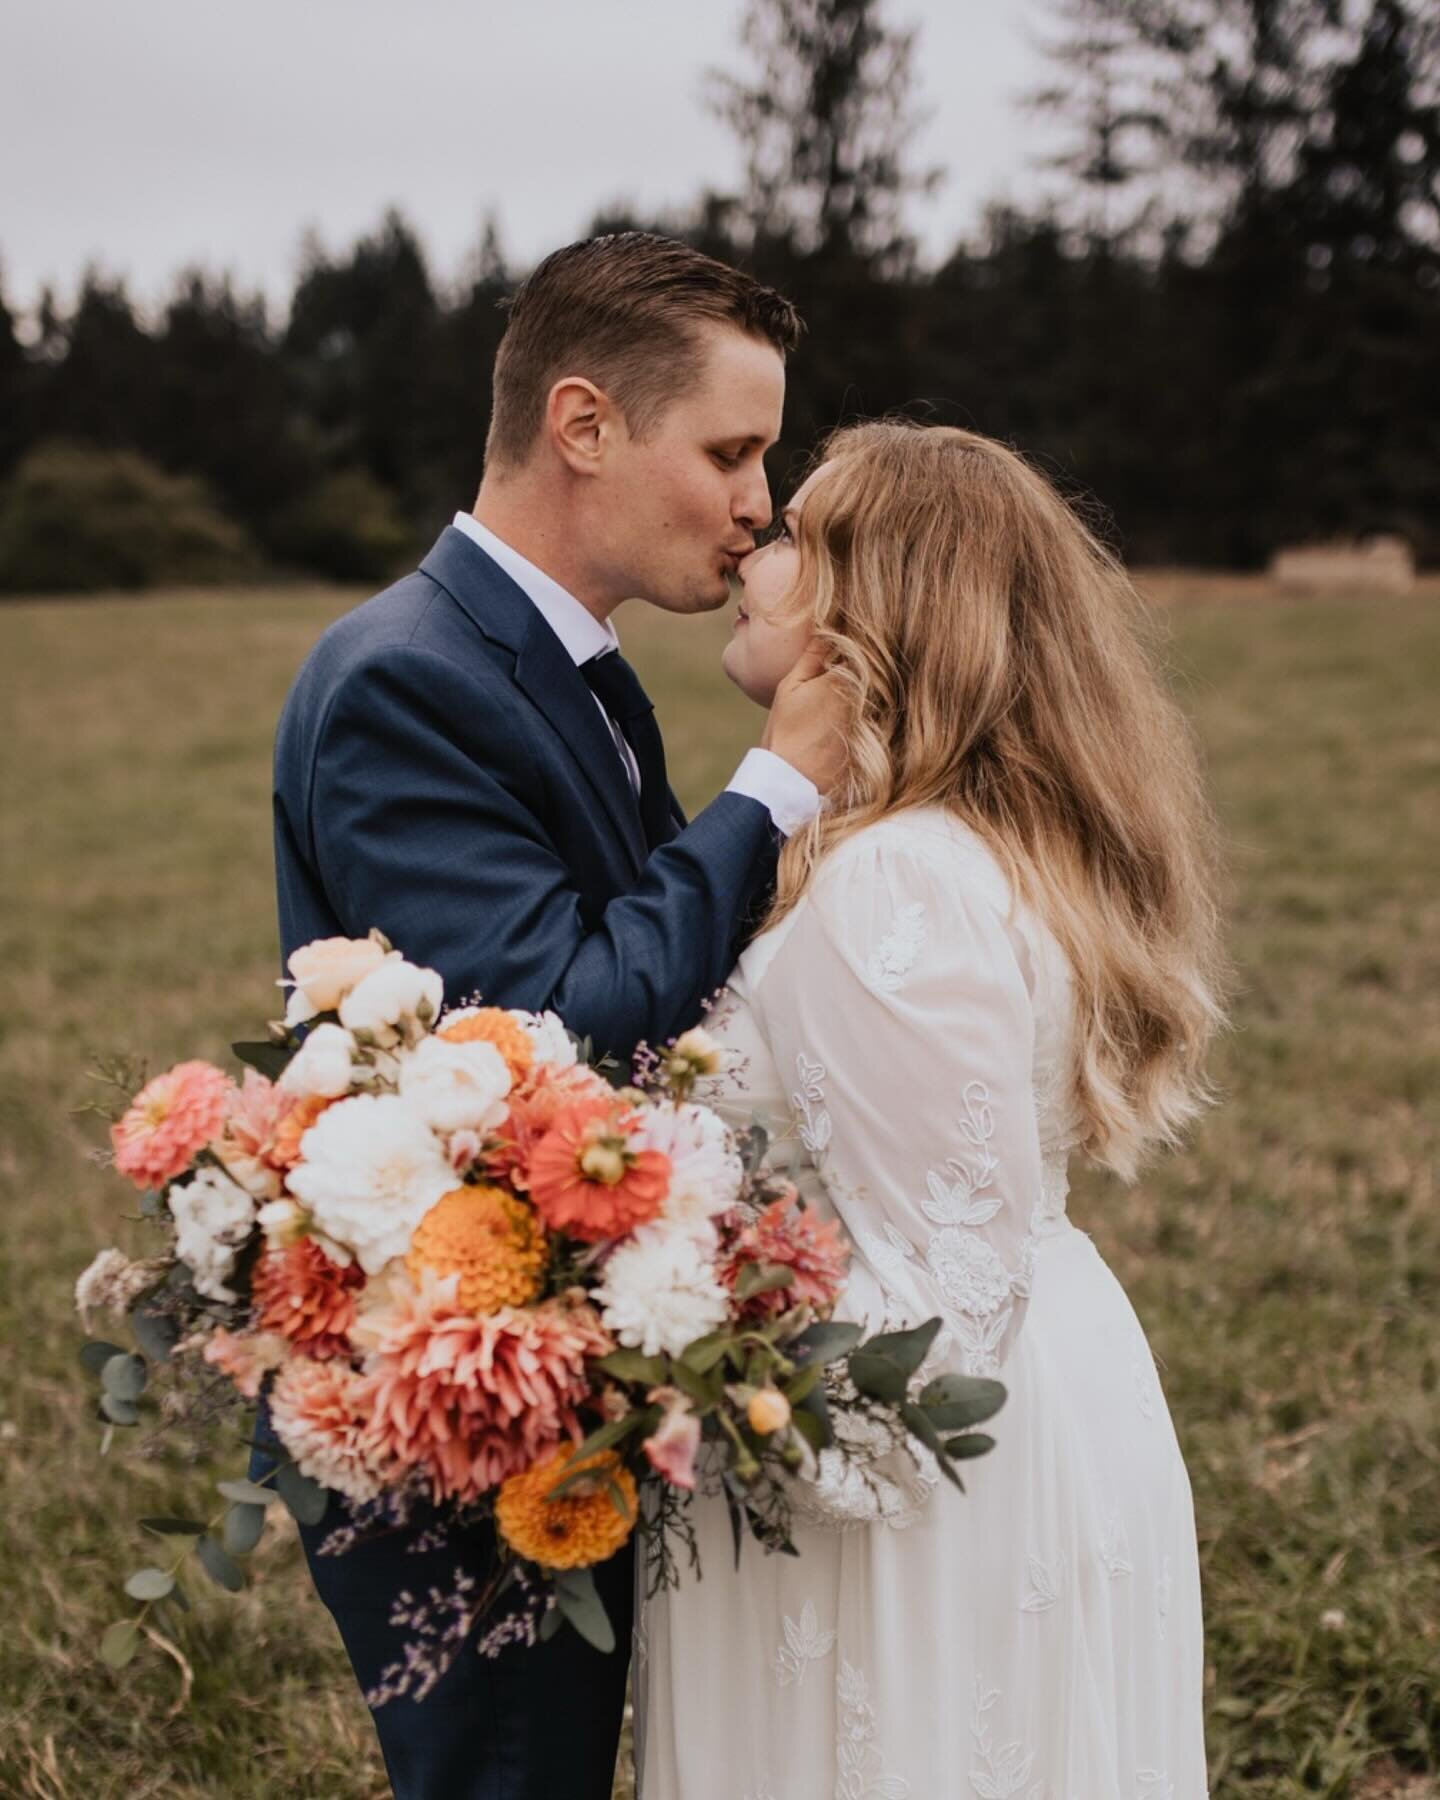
pixel 389 997
pixel 326 970
pixel 298 1008
pixel 323 1065
pixel 455 1087
pixel 370 1169
pixel 213 1217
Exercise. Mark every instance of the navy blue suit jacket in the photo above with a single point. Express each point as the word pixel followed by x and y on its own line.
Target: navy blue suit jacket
pixel 442 772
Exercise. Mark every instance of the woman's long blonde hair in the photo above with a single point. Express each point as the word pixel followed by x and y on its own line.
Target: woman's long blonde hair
pixel 991 649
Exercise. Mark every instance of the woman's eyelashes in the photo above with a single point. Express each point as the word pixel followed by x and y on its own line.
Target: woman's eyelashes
pixel 776 532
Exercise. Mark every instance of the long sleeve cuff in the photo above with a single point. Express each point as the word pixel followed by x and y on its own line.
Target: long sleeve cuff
pixel 791 798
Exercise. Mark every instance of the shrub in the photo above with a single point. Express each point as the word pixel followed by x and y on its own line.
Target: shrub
pixel 77 518
pixel 347 527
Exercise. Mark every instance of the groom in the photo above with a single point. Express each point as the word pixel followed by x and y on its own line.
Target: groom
pixel 467 762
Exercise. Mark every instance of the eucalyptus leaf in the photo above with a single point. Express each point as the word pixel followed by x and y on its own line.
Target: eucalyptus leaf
pixel 612 1432
pixel 803 1384
pixel 704 1390
pixel 149 1584
pixel 908 1349
pixel 974 1443
pixel 816 1406
pixel 269 1058
pixel 219 1564
pixel 955 1401
pixel 247 1493
pixel 120 1642
pixel 918 1422
pixel 577 1598
pixel 119 1412
pixel 241 1528
pixel 630 1365
pixel 306 1499
pixel 826 1341
pixel 97 1353
pixel 152 1203
pixel 878 1376
pixel 125 1376
pixel 156 1333
pixel 810 1428
pixel 550 1622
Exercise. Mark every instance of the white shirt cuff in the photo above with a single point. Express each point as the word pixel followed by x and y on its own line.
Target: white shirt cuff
pixel 791 798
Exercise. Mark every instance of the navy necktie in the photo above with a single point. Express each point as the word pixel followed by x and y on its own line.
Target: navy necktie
pixel 617 687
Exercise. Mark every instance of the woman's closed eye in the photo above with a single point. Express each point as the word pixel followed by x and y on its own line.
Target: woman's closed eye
pixel 776 532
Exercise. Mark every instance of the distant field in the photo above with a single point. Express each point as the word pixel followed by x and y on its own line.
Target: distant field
pixel 1287 1266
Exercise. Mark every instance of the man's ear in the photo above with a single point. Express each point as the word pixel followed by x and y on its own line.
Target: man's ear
pixel 579 418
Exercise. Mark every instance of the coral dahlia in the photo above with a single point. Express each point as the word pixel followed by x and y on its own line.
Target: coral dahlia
pixel 170 1119
pixel 789 1235
pixel 320 1412
pixel 467 1401
pixel 591 1175
pixel 581 1527
pixel 487 1237
pixel 307 1297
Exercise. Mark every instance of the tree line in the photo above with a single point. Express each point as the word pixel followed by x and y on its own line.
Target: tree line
pixel 1223 328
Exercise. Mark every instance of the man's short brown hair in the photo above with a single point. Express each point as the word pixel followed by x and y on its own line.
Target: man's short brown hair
pixel 622 311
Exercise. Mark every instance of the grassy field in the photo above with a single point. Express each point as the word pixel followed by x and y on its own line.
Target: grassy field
pixel 1287 1266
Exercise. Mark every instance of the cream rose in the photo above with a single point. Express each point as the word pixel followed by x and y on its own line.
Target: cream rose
pixel 326 970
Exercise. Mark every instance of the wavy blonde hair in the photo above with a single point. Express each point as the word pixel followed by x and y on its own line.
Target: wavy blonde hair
pixel 992 653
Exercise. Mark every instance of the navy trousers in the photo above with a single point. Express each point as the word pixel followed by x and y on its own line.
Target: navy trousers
pixel 479 1734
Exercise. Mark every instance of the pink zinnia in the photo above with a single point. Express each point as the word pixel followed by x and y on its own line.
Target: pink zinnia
pixel 170 1119
pixel 469 1400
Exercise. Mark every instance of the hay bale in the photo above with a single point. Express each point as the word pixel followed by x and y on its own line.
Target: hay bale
pixel 1377 565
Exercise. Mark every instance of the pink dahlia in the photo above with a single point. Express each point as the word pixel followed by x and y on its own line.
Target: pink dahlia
pixel 787 1235
pixel 169 1120
pixel 246 1144
pixel 469 1400
pixel 307 1297
pixel 321 1414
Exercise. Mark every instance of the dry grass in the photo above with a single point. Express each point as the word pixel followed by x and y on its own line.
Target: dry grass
pixel 1287 1266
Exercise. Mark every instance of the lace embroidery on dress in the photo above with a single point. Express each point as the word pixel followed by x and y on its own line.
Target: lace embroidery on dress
pixel 1114 1550
pixel 804 1643
pixel 1045 1582
pixel 1163 1585
pixel 1154 1784
pixel 998 1774
pixel 894 956
pixel 809 1102
pixel 971 1275
pixel 859 1766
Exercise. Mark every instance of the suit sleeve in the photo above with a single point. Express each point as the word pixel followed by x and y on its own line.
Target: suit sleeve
pixel 427 807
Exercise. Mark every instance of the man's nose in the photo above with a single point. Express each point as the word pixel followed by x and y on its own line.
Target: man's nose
pixel 751 506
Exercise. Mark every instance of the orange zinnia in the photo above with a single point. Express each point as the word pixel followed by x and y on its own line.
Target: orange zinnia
pixel 589 1179
pixel 292 1125
pixel 583 1526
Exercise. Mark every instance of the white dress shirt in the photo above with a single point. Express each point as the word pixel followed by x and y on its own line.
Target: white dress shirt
pixel 790 798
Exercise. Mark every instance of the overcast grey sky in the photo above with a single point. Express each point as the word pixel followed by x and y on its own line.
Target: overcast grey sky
pixel 163 132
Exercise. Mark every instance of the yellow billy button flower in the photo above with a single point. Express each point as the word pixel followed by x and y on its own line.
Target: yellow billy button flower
pixel 768 1411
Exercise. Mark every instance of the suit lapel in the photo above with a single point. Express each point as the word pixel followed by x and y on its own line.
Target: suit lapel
pixel 544 673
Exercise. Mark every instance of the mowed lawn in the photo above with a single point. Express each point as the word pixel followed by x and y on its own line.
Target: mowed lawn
pixel 1286 1266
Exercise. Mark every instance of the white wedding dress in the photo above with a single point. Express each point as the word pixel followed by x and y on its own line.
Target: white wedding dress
pixel 908 1034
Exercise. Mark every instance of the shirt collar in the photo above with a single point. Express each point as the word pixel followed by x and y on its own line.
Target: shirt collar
pixel 583 635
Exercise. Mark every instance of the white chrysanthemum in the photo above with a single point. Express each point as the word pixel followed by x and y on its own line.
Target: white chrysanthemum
pixel 456 1087
pixel 323 1065
pixel 660 1291
pixel 392 1002
pixel 705 1167
pixel 370 1169
pixel 213 1217
pixel 553 1043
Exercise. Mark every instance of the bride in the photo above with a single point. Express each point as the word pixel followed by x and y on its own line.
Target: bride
pixel 995 947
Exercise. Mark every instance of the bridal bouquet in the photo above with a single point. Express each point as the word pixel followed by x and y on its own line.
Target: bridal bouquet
pixel 474 1279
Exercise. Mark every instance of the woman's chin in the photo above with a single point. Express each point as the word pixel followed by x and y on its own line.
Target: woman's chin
pixel 762 693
